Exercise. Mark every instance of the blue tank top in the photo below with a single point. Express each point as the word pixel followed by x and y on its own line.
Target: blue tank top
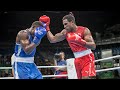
pixel 19 52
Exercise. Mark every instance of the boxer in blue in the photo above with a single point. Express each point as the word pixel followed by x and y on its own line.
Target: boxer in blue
pixel 25 48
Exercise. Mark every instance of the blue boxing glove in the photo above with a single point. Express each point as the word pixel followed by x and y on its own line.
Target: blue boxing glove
pixel 44 24
pixel 40 32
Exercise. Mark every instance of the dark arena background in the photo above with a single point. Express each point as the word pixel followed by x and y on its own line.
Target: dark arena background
pixel 104 26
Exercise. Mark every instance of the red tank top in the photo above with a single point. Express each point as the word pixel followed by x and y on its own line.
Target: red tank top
pixel 75 47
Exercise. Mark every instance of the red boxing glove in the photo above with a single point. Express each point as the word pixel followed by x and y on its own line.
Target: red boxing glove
pixel 45 19
pixel 82 42
pixel 76 39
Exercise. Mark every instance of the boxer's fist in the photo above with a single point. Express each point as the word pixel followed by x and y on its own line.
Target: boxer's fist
pixel 40 32
pixel 76 38
pixel 46 20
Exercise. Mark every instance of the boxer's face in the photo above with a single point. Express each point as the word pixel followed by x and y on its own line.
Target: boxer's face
pixel 68 25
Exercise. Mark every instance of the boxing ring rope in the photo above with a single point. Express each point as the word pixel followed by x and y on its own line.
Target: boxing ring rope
pixel 104 59
pixel 101 70
pixel 43 76
pixel 37 67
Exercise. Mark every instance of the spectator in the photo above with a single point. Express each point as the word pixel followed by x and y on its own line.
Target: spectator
pixel 59 60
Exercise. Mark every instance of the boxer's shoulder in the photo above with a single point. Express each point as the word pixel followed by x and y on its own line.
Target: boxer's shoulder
pixel 22 34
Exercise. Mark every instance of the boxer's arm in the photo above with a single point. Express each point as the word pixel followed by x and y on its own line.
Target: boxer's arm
pixel 89 39
pixel 24 41
pixel 55 38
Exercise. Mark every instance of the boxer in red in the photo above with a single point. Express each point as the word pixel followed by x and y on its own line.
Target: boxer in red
pixel 80 41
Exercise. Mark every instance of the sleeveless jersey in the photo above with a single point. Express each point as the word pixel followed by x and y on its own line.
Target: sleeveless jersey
pixel 75 47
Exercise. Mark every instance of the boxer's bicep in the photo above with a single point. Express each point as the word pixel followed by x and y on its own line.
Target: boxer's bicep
pixel 87 36
pixel 59 37
pixel 89 40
